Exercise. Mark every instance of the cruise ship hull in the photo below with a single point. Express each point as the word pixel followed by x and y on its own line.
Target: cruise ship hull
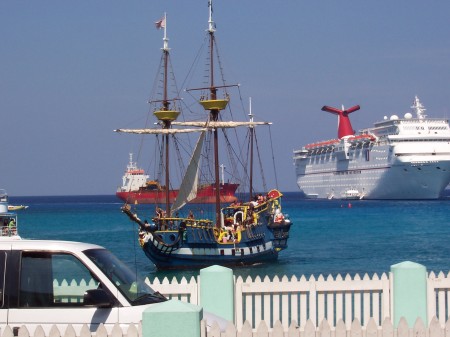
pixel 413 180
pixel 399 158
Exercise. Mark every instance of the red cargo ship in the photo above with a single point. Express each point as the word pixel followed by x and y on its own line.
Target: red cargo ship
pixel 137 188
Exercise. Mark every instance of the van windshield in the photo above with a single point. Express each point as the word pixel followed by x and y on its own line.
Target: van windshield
pixel 129 283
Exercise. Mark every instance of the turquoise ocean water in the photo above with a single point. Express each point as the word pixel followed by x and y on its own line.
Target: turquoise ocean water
pixel 327 237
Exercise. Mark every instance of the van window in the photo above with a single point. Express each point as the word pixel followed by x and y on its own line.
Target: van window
pixel 53 280
pixel 126 281
pixel 2 277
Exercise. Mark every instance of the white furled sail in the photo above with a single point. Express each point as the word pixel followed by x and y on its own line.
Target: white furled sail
pixel 220 124
pixel 188 188
pixel 158 131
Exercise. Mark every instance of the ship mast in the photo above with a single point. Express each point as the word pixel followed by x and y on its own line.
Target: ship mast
pixel 165 115
pixel 214 106
pixel 251 149
pixel 419 108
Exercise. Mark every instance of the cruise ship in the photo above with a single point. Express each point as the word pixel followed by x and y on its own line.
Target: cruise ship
pixel 398 158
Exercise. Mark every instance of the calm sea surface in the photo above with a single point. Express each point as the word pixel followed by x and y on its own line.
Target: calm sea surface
pixel 327 236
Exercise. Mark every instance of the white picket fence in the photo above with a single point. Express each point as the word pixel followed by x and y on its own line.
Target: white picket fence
pixel 308 330
pixel 314 299
pixel 334 299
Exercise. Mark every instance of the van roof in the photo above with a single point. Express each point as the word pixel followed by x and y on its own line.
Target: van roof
pixel 50 245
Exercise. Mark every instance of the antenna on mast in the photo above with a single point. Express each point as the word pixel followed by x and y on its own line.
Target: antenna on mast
pixel 419 108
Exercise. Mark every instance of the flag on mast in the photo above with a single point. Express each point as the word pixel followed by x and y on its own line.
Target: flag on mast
pixel 161 23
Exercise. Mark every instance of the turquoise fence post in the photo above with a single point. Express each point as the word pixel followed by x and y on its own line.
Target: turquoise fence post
pixel 217 291
pixel 409 293
pixel 172 318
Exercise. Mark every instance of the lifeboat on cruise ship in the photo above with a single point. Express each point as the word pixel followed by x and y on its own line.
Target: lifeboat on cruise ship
pixel 322 145
pixel 361 139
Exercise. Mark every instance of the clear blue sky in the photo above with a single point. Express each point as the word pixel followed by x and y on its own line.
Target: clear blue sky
pixel 72 71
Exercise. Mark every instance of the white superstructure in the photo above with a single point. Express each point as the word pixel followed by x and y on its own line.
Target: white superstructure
pixel 399 158
pixel 133 178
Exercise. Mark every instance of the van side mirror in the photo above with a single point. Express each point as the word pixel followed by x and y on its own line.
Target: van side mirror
pixel 97 298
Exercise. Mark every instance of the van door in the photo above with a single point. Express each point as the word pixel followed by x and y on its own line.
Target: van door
pixel 3 307
pixel 51 291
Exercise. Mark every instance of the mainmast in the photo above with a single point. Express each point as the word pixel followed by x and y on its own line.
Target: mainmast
pixel 214 106
pixel 165 115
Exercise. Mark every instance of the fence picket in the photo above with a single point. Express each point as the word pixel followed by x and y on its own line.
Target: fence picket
pixel 215 330
pixel 435 328
pixel 101 331
pixel 7 332
pixel 285 296
pixel 23 332
pixel 248 300
pixel 357 299
pixel 293 330
pixel 387 328
pixel 85 332
pixel 348 304
pixel 70 331
pixel 247 330
pixel 238 291
pixel 447 328
pixel 320 301
pixel 371 328
pixel 262 330
pixel 385 297
pixel 303 302
pixel 341 329
pixel 356 330
pixel 419 328
pixel 39 332
pixel 366 302
pixel 324 329
pixel 267 302
pixel 258 303
pixel 312 300
pixel 330 302
pixel 310 329
pixel 402 328
pixel 277 330
pixel 132 331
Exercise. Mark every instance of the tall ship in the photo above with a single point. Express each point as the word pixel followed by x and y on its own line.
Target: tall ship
pixel 398 158
pixel 137 187
pixel 177 235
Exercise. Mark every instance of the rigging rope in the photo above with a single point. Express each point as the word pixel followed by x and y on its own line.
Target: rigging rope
pixel 260 162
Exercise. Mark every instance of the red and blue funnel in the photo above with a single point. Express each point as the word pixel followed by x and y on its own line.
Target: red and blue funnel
pixel 344 125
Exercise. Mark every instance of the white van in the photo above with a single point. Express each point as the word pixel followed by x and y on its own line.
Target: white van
pixel 59 283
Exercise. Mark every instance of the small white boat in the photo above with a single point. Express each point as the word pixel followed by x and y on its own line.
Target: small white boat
pixel 351 194
pixel 8 220
pixel 16 208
